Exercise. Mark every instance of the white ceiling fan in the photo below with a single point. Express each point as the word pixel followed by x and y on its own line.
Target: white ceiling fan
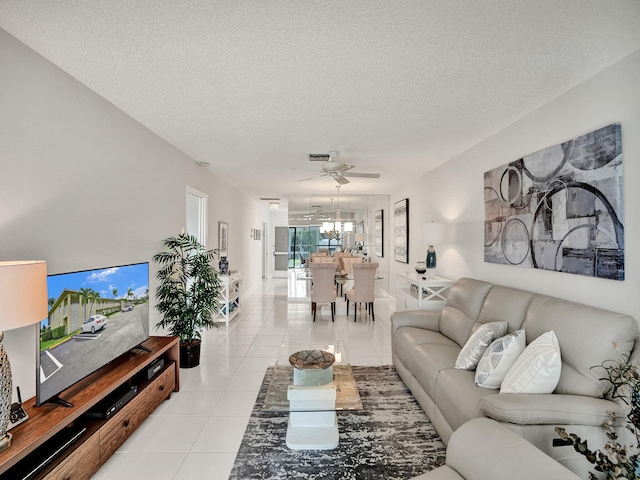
pixel 336 170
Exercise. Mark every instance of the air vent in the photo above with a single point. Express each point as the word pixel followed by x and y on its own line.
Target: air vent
pixel 269 198
pixel 318 157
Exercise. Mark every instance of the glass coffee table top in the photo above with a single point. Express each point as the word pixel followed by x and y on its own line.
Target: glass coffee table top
pixel 347 396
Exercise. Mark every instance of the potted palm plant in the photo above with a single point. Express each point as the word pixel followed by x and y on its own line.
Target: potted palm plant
pixel 187 294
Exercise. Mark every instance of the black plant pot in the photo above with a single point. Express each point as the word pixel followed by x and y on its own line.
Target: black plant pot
pixel 190 354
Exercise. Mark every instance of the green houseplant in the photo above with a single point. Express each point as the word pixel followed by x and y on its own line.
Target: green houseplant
pixel 617 461
pixel 187 294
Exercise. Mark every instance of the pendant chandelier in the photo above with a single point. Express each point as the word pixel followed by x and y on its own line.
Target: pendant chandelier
pixel 335 230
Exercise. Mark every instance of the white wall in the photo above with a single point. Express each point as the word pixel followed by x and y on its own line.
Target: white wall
pixel 454 192
pixel 82 185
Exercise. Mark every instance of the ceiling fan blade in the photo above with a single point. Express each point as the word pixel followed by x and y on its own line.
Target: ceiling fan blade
pixel 344 167
pixel 340 179
pixel 311 178
pixel 361 175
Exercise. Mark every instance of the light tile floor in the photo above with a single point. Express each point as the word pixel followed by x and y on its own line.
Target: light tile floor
pixel 197 433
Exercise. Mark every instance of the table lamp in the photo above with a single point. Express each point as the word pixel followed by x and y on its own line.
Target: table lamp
pixel 433 233
pixel 23 302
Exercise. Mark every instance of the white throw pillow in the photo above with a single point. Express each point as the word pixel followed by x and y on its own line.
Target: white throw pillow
pixel 537 370
pixel 498 359
pixel 472 351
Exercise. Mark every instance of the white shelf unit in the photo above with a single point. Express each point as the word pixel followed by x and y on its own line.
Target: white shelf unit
pixel 229 299
pixel 415 293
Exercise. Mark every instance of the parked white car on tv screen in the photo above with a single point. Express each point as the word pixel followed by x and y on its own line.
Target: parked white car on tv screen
pixel 94 323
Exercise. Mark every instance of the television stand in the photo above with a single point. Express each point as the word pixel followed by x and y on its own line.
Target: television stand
pixel 35 439
pixel 142 347
pixel 59 401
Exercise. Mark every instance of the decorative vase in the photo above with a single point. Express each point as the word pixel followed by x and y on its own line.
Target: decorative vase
pixel 190 354
pixel 421 267
pixel 431 262
pixel 223 265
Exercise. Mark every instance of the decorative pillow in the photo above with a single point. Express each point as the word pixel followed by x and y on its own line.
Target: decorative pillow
pixel 537 370
pixel 498 359
pixel 472 351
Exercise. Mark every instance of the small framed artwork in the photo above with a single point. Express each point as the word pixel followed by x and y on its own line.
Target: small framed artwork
pixel 379 233
pixel 223 229
pixel 401 231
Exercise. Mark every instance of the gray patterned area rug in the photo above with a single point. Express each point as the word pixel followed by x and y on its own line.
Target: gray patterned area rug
pixel 391 438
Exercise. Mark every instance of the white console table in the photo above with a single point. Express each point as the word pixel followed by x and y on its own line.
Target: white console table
pixel 415 293
pixel 229 299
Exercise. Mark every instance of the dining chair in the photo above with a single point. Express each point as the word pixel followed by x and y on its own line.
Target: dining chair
pixel 364 276
pixel 347 263
pixel 322 288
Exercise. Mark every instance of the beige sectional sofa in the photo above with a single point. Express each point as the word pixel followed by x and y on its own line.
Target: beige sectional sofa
pixel 426 345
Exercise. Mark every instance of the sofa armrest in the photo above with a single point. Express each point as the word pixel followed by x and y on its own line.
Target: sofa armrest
pixel 551 409
pixel 483 449
pixel 427 319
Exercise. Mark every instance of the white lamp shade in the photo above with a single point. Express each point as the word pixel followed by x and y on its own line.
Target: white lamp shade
pixel 23 293
pixel 433 232
pixel 359 237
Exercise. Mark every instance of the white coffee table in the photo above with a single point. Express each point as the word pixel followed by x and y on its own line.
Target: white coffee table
pixel 311 395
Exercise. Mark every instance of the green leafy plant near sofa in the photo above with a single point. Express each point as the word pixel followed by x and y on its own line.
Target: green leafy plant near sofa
pixel 617 461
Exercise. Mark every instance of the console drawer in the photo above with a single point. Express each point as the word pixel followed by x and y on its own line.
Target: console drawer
pixel 160 388
pixel 81 464
pixel 119 427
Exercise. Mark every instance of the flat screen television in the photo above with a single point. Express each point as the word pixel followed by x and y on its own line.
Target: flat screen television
pixel 94 317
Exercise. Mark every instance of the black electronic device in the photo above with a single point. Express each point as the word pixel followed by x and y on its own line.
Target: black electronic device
pixel 156 366
pixel 17 414
pixel 113 403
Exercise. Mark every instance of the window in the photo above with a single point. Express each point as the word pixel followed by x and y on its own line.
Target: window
pixel 306 240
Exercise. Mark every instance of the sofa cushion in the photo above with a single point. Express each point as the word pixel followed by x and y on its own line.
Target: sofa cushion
pixel 537 370
pixel 505 304
pixel 463 306
pixel 429 360
pixel 457 396
pixel 498 359
pixel 406 338
pixel 587 336
pixel 475 347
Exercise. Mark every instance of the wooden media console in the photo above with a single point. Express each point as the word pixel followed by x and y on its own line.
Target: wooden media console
pixel 49 425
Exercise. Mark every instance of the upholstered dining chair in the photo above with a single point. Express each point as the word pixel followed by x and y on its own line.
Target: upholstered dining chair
pixel 347 263
pixel 322 289
pixel 364 277
pixel 322 258
pixel 338 258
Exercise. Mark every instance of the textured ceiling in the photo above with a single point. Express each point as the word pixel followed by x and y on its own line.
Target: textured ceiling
pixel 397 87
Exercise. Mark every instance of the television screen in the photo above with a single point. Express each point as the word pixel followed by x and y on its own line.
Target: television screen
pixel 94 317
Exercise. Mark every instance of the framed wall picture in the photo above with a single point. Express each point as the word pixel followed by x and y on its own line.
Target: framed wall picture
pixel 379 233
pixel 223 229
pixel 559 208
pixel 401 231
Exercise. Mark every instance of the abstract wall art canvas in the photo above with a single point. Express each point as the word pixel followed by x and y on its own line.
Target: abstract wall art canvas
pixel 559 208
